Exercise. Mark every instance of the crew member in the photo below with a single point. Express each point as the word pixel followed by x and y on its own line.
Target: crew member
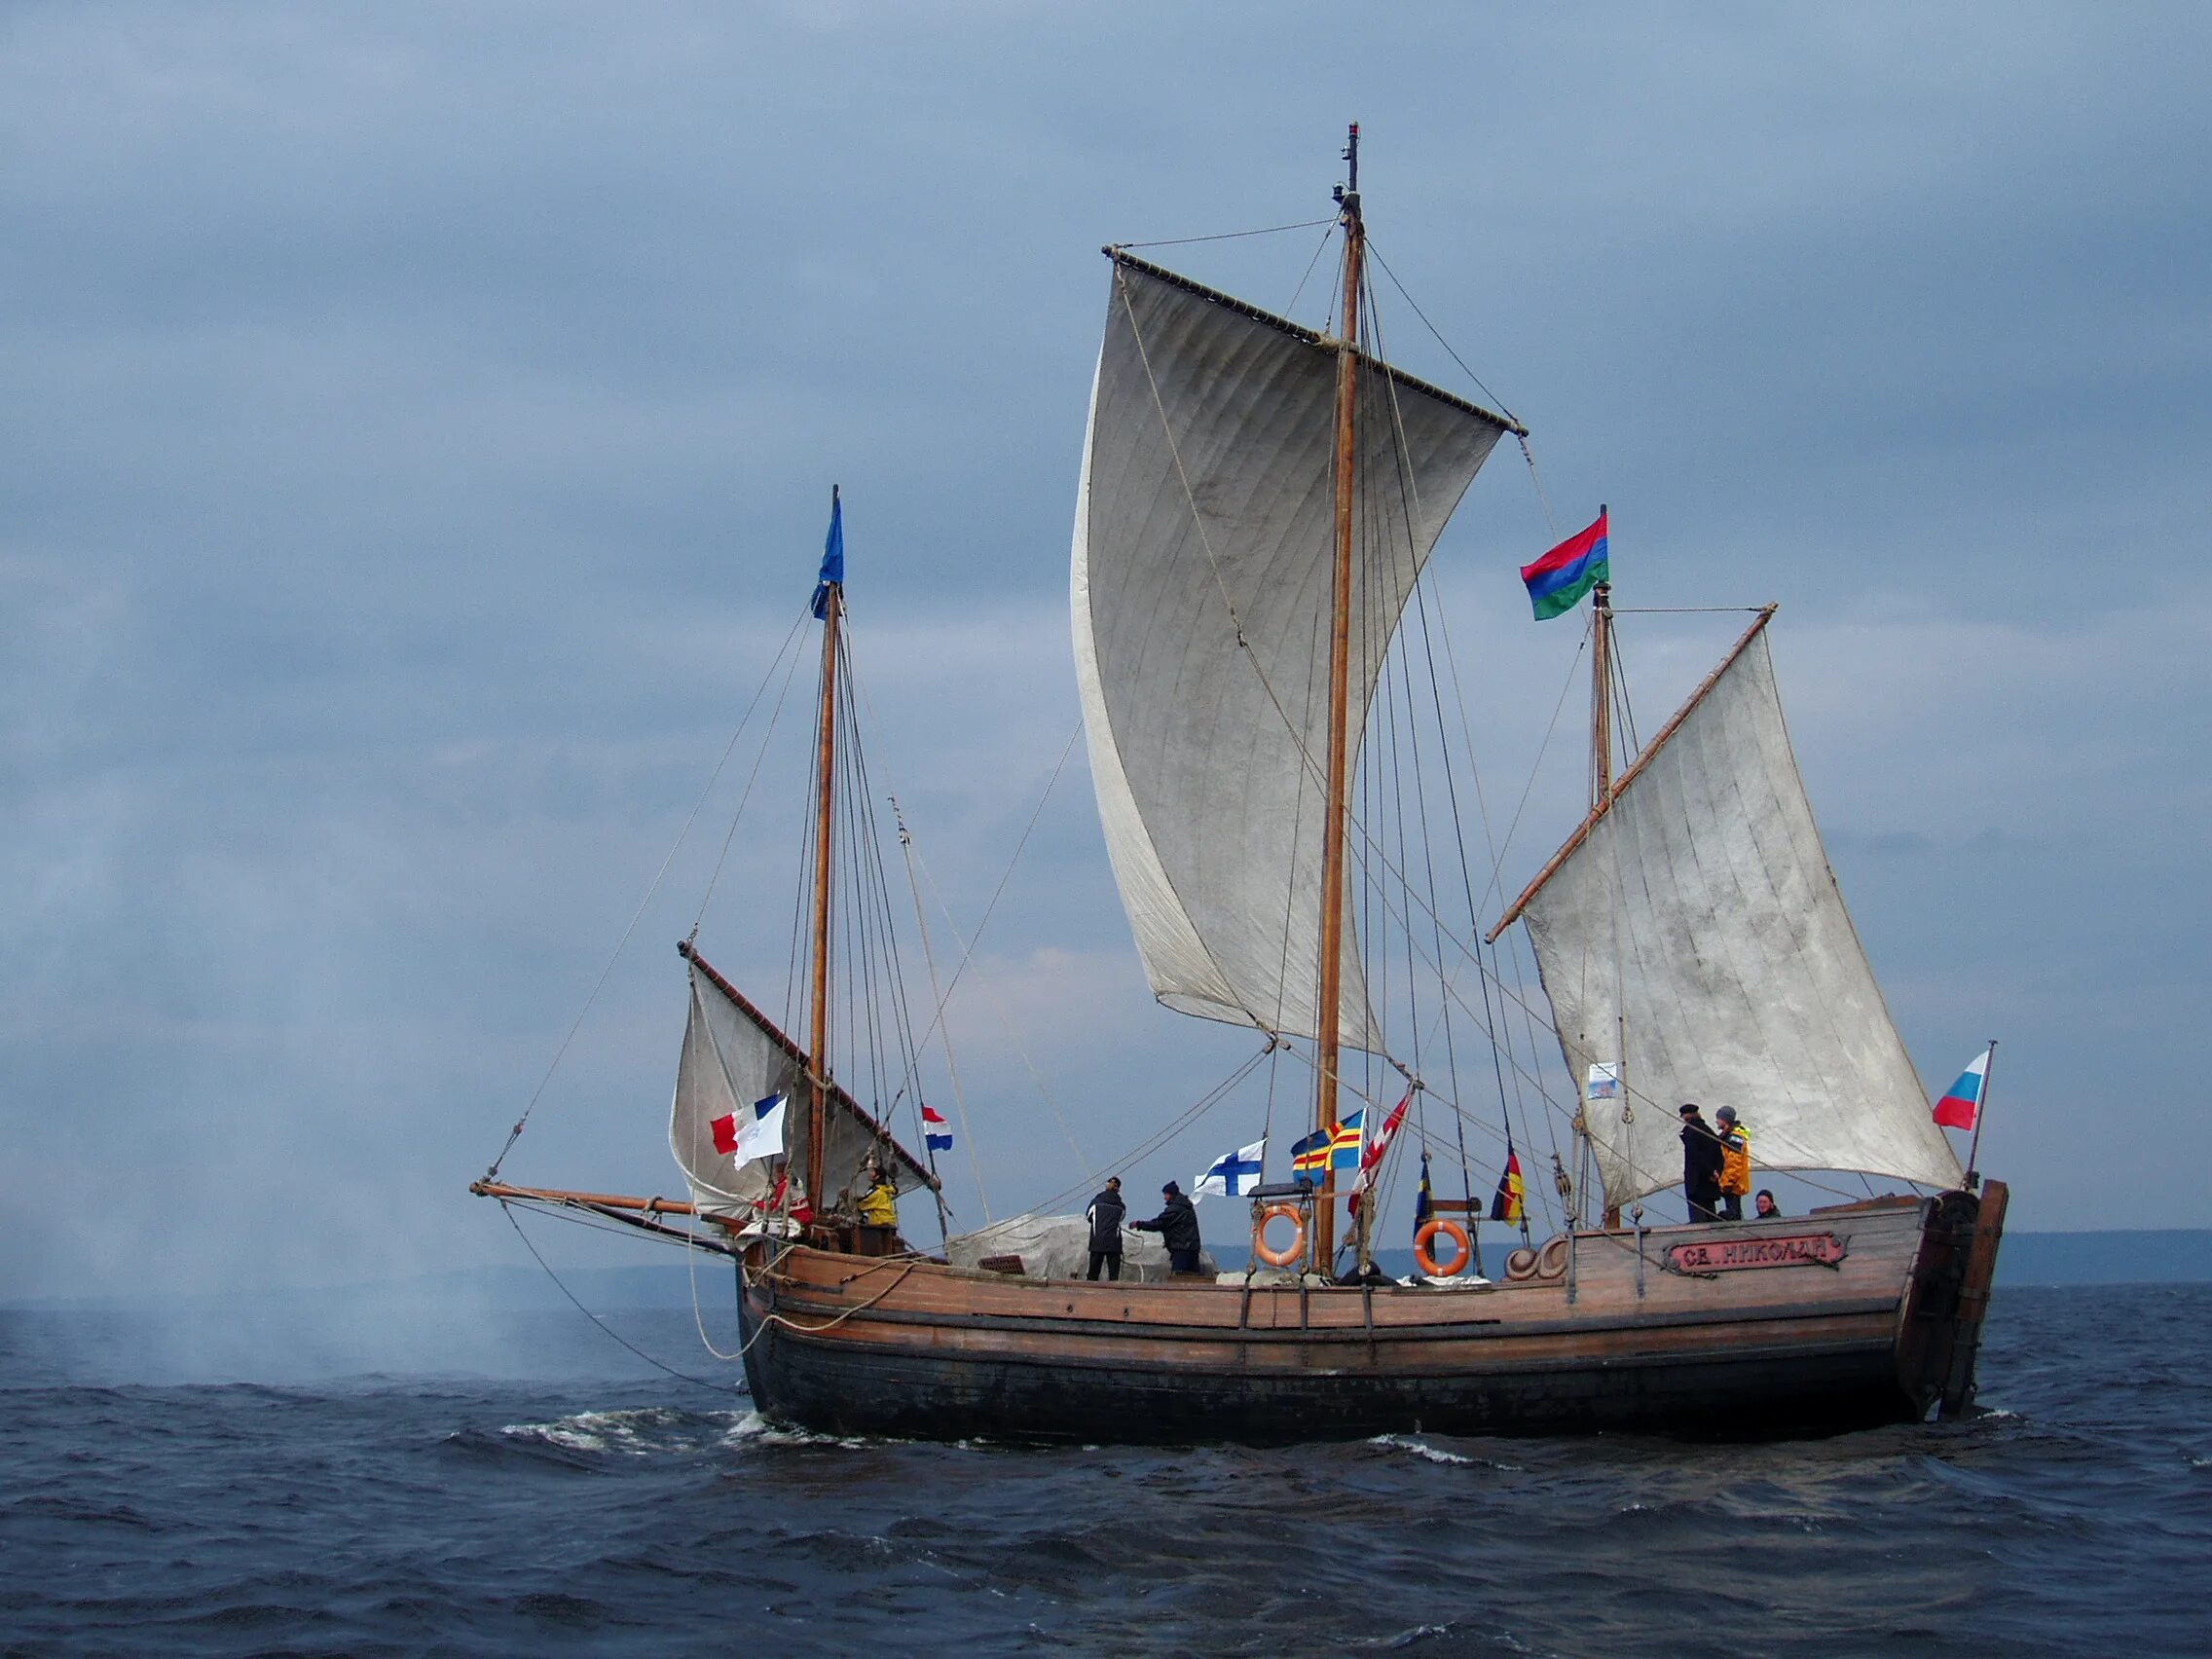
pixel 1765 1208
pixel 1735 1163
pixel 1701 1163
pixel 786 1198
pixel 1105 1217
pixel 1177 1225
pixel 880 1198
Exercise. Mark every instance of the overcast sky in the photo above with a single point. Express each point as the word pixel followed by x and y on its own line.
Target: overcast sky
pixel 419 433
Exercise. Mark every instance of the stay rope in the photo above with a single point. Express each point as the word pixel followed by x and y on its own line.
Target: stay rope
pixel 514 1134
pixel 508 1209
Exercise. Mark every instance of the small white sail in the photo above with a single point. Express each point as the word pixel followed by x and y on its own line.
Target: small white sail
pixel 732 1057
pixel 1697 916
pixel 1204 545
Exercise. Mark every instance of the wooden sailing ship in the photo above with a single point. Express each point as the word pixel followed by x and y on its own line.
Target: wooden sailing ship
pixel 1257 503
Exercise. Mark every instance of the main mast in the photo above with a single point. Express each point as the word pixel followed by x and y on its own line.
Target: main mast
pixel 1334 824
pixel 829 606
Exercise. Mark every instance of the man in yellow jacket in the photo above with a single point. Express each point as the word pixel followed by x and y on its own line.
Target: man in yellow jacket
pixel 880 1198
pixel 1735 1163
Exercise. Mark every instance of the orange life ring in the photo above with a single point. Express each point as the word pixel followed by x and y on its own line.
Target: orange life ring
pixel 1290 1252
pixel 1428 1264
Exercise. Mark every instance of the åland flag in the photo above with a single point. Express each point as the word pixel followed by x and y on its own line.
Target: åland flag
pixel 1559 579
pixel 936 1133
pixel 1506 1205
pixel 1959 1108
pixel 1420 1198
pixel 1344 1145
pixel 832 557
pixel 751 1132
pixel 1310 1159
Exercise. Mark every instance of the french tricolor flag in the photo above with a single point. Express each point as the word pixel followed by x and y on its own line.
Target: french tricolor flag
pixel 935 1132
pixel 1961 1105
pixel 751 1131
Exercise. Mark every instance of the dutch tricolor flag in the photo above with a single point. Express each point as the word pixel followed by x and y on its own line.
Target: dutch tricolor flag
pixel 935 1131
pixel 1962 1105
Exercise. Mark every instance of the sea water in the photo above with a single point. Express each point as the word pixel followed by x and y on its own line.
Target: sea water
pixel 578 1500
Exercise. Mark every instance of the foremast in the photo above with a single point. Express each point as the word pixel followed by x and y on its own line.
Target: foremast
pixel 828 604
pixel 1335 832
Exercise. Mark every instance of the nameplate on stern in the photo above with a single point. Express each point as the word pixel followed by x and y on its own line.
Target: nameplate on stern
pixel 1731 1255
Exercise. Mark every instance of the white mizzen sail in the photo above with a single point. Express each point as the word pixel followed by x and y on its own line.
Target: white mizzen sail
pixel 733 1057
pixel 1703 894
pixel 1200 595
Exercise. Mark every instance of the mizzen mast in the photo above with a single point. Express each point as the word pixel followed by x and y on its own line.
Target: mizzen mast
pixel 1601 791
pixel 1334 826
pixel 1600 689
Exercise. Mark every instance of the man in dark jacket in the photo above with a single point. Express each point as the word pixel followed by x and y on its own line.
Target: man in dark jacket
pixel 1105 1214
pixel 1701 1163
pixel 1177 1225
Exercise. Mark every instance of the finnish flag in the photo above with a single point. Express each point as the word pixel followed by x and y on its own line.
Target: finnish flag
pixel 1233 1176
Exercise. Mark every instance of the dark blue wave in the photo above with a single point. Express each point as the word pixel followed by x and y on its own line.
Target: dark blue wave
pixel 592 1510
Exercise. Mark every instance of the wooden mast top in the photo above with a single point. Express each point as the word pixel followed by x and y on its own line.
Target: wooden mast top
pixel 1600 689
pixel 1328 1006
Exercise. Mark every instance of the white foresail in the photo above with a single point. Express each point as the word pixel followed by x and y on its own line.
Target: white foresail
pixel 1204 545
pixel 734 1057
pixel 1697 916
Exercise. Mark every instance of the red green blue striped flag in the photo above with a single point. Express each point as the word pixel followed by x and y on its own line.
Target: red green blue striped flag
pixel 1559 579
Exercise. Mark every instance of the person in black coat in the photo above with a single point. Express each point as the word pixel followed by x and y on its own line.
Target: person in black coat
pixel 1105 1215
pixel 1177 1225
pixel 1701 1163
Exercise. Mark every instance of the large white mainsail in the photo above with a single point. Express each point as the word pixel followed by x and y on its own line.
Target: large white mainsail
pixel 1696 913
pixel 1200 597
pixel 732 1057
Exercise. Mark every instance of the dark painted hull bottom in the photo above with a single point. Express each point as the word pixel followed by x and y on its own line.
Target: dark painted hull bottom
pixel 1747 1397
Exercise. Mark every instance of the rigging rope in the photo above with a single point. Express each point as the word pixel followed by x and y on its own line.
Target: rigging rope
pixel 936 998
pixel 1228 236
pixel 514 1134
pixel 1152 1143
pixel 508 1209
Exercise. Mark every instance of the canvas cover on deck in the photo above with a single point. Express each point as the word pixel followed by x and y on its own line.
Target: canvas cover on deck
pixel 1058 1246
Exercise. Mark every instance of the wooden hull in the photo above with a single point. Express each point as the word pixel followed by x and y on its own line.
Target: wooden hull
pixel 1750 1336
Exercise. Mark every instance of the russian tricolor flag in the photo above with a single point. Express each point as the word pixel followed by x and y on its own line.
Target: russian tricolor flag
pixel 1560 577
pixel 937 1134
pixel 1959 1107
